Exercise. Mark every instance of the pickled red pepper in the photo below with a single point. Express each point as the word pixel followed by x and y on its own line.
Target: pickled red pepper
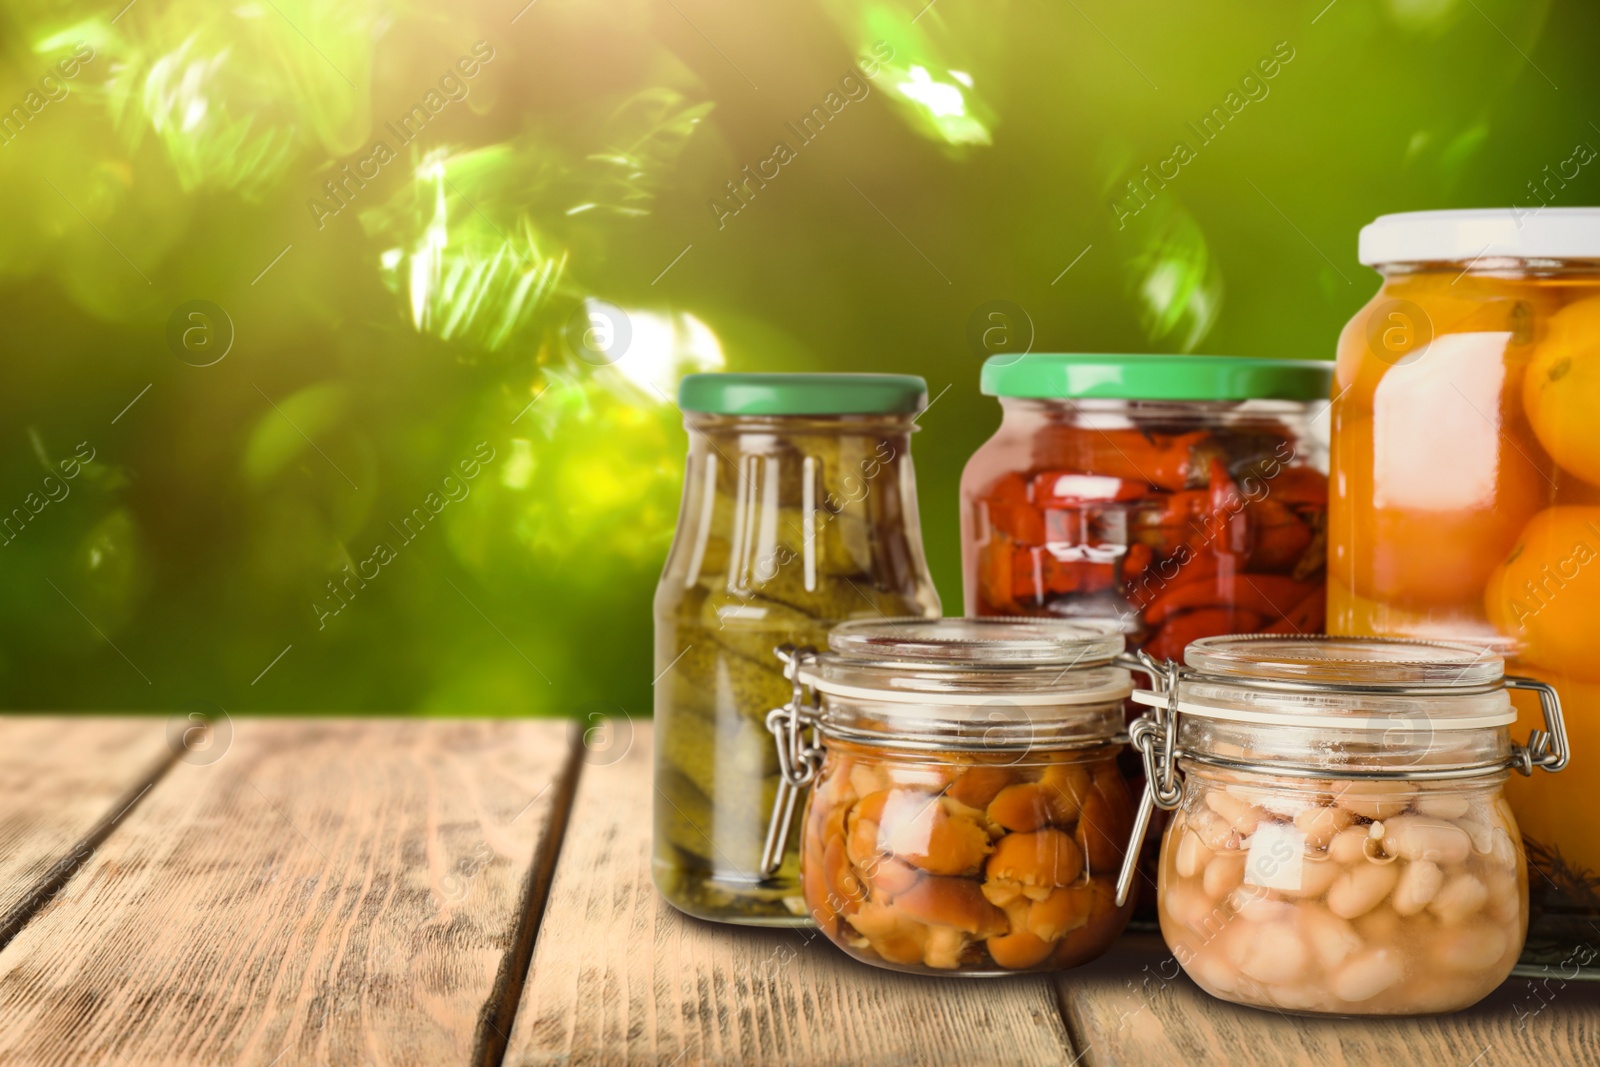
pixel 1186 534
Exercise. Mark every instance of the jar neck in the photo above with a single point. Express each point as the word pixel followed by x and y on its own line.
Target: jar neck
pixel 818 511
pixel 999 727
pixel 941 751
pixel 1021 413
pixel 842 425
pixel 1493 267
pixel 1316 781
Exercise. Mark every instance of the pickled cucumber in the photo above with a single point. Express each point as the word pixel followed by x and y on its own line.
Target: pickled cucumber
pixel 764 562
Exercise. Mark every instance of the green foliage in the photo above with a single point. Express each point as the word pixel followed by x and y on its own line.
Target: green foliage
pixel 1174 279
pixel 235 93
pixel 405 479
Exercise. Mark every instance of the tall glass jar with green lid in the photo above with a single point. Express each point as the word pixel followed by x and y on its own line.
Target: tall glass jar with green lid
pixel 799 512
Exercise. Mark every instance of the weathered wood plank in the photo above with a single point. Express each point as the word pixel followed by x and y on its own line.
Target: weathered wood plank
pixel 326 892
pixel 619 977
pixel 65 781
pixel 1134 1006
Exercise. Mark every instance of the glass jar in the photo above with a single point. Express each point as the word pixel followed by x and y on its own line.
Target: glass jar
pixel 1340 844
pixel 1466 472
pixel 1184 495
pixel 799 511
pixel 968 816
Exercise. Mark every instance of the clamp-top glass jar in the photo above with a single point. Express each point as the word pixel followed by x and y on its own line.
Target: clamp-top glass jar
pixel 1340 843
pixel 968 816
pixel 799 511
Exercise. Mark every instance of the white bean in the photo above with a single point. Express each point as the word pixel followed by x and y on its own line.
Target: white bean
pixel 1333 940
pixel 1215 974
pixel 1258 906
pixel 1419 884
pixel 1361 888
pixel 1372 800
pixel 1443 805
pixel 1213 830
pixel 1472 948
pixel 1222 874
pixel 1320 824
pixel 1194 910
pixel 1461 896
pixel 1382 926
pixel 1349 846
pixel 1505 896
pixel 1416 837
pixel 1502 849
pixel 1240 814
pixel 1192 854
pixel 1273 955
pixel 1367 975
pixel 1409 896
pixel 1482 835
pixel 1315 878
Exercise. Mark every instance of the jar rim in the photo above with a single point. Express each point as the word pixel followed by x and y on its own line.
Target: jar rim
pixel 966 684
pixel 987 642
pixel 1007 665
pixel 1340 706
pixel 1320 663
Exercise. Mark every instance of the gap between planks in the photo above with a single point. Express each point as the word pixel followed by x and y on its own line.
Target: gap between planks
pixel 620 977
pixel 40 893
pixel 499 1013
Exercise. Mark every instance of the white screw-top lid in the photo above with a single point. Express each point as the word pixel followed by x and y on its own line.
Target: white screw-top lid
pixel 1482 233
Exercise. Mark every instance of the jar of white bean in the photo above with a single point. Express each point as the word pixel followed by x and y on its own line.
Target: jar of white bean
pixel 1339 843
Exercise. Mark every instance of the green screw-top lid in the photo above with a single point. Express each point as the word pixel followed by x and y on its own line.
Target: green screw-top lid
pixel 1084 375
pixel 803 394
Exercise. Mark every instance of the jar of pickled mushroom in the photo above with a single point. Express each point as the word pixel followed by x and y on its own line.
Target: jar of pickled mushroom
pixel 1340 843
pixel 1184 495
pixel 799 511
pixel 1466 471
pixel 967 815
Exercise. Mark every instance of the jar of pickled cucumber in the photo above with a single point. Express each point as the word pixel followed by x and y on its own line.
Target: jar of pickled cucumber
pixel 967 816
pixel 1340 843
pixel 1466 483
pixel 799 512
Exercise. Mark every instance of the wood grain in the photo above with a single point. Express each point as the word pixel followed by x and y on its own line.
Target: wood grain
pixel 65 782
pixel 326 892
pixel 619 977
pixel 1134 1007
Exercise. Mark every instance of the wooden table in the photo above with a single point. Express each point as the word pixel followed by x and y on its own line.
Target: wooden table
pixel 288 891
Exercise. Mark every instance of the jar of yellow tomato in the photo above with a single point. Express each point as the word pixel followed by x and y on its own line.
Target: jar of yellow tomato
pixel 1465 477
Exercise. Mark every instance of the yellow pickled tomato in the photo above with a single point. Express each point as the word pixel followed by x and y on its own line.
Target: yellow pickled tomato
pixel 1430 485
pixel 1413 309
pixel 1561 392
pixel 1546 593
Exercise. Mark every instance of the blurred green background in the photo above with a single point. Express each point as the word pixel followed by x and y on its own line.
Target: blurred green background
pixel 293 272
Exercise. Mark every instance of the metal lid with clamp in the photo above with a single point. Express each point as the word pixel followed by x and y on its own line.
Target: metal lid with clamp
pixel 1333 708
pixel 990 685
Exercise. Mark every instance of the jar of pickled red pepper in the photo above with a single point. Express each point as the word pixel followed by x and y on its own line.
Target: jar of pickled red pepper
pixel 1340 843
pixel 1466 473
pixel 967 815
pixel 799 512
pixel 1184 495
